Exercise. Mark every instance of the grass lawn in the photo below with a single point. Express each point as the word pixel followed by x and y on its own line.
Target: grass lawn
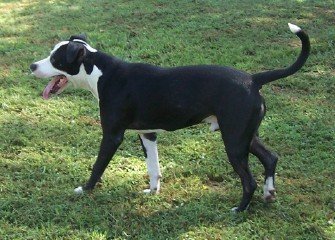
pixel 48 147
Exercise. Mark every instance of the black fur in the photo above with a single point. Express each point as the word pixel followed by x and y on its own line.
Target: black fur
pixel 142 96
pixel 81 36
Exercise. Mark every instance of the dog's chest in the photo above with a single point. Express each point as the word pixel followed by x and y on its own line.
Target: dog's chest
pixel 88 81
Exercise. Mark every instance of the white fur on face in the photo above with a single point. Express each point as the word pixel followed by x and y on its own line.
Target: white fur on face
pixel 58 45
pixel 45 69
pixel 81 80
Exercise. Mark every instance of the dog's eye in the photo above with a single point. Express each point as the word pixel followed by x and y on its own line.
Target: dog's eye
pixel 52 60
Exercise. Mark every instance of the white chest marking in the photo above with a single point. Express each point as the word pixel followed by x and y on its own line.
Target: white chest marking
pixel 87 81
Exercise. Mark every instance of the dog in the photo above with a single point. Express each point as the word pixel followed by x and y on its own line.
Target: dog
pixel 151 99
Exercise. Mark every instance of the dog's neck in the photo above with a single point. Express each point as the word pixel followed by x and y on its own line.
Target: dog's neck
pixel 87 81
pixel 92 69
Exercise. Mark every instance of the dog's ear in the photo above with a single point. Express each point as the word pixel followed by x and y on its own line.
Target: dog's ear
pixel 81 36
pixel 75 52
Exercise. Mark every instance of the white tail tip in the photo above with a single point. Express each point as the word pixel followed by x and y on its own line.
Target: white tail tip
pixel 294 28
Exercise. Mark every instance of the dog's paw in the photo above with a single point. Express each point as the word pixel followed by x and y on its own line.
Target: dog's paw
pixel 79 190
pixel 151 191
pixel 234 210
pixel 270 196
pixel 239 209
pixel 269 190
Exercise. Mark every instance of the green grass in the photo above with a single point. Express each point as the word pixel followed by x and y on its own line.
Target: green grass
pixel 48 147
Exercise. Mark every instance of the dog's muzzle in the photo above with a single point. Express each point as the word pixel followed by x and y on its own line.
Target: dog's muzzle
pixel 57 84
pixel 33 67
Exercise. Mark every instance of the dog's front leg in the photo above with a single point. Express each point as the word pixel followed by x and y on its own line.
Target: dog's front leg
pixel 108 147
pixel 149 145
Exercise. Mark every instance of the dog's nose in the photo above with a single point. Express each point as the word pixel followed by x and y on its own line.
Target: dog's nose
pixel 33 67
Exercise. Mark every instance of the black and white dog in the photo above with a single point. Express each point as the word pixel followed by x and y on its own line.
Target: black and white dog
pixel 150 99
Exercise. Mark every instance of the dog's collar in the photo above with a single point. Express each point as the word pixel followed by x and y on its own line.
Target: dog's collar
pixel 89 48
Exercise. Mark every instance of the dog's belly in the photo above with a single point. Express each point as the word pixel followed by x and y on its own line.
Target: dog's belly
pixel 211 119
pixel 149 131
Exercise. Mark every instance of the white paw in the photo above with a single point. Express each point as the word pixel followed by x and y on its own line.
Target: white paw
pixel 234 209
pixel 79 190
pixel 269 190
pixel 146 191
pixel 150 191
pixel 237 209
pixel 269 196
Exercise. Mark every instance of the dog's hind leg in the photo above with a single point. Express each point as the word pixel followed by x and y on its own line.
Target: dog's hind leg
pixel 266 157
pixel 149 144
pixel 269 161
pixel 237 141
pixel 238 157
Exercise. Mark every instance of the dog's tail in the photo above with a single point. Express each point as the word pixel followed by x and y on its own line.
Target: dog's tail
pixel 269 76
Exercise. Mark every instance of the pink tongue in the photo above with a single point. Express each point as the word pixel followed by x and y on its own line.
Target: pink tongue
pixel 48 88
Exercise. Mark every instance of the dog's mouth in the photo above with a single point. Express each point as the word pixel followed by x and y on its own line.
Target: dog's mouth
pixel 55 86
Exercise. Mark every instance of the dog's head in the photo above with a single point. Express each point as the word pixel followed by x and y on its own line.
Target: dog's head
pixel 66 63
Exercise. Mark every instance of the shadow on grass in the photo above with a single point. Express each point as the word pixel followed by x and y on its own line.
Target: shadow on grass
pixel 116 212
pixel 37 191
